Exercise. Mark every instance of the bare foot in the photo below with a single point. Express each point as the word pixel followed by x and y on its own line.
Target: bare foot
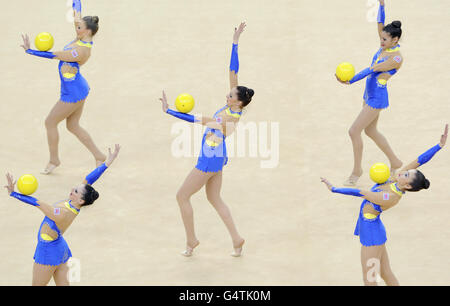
pixel 50 167
pixel 352 179
pixel 190 249
pixel 238 249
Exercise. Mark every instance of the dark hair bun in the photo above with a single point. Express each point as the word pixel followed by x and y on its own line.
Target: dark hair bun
pixel 95 19
pixel 426 184
pixel 250 92
pixel 90 195
pixel 397 24
pixel 95 194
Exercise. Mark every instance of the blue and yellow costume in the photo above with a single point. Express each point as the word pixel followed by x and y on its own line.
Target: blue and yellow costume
pixel 213 155
pixel 375 93
pixel 55 251
pixel 74 86
pixel 50 251
pixel 369 228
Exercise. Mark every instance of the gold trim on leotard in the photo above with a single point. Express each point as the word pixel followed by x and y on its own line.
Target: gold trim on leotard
pixel 71 208
pixel 211 143
pixel 229 113
pixel 396 190
pixel 84 44
pixel 369 216
pixel 395 49
pixel 46 237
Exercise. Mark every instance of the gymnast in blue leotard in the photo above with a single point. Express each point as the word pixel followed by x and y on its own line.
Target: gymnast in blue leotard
pixel 385 63
pixel 52 251
pixel 381 197
pixel 74 87
pixel 213 155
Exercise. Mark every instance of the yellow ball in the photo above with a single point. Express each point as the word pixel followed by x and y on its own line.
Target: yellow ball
pixel 184 103
pixel 44 41
pixel 345 71
pixel 379 173
pixel 27 184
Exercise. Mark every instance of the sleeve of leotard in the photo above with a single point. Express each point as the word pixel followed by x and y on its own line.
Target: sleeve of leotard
pixel 182 116
pixel 348 191
pixel 361 75
pixel 26 199
pixel 428 155
pixel 234 60
pixel 92 177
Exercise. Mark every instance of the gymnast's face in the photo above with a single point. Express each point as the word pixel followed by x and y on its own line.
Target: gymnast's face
pixel 232 98
pixel 386 41
pixel 77 193
pixel 404 178
pixel 82 30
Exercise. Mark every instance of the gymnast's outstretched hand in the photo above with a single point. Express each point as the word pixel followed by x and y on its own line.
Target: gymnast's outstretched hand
pixel 342 82
pixel 237 32
pixel 326 182
pixel 112 155
pixel 444 136
pixel 26 42
pixel 165 105
pixel 11 183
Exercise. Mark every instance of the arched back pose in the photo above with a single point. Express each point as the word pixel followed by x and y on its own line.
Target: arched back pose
pixel 213 155
pixel 381 197
pixel 74 88
pixel 52 251
pixel 386 62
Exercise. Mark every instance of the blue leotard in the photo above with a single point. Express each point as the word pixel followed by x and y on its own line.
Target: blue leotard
pixel 74 86
pixel 213 155
pixel 371 231
pixel 375 93
pixel 49 251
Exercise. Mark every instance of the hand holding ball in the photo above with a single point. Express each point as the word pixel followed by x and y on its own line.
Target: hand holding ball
pixel 345 71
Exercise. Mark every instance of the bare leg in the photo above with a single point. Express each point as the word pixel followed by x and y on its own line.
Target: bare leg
pixel 386 273
pixel 213 187
pixel 58 113
pixel 371 264
pixel 73 125
pixel 365 117
pixel 61 275
pixel 372 131
pixel 42 274
pixel 193 183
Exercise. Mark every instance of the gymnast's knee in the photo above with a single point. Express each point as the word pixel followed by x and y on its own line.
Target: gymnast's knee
pixel 354 132
pixel 72 127
pixel 50 123
pixel 213 199
pixel 182 197
pixel 371 132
